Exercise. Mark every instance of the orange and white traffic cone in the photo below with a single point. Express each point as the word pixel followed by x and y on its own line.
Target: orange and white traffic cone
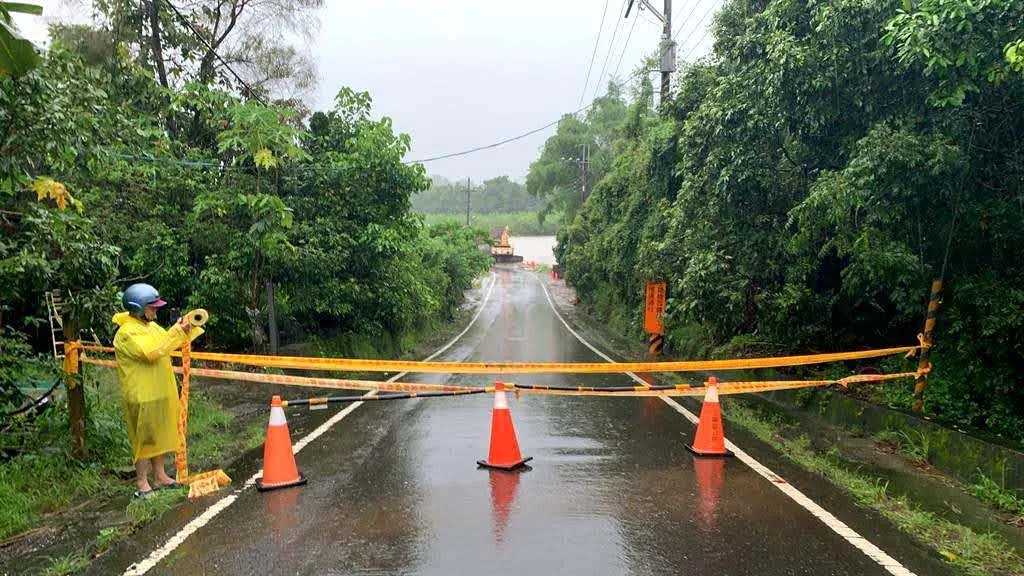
pixel 279 469
pixel 710 437
pixel 504 454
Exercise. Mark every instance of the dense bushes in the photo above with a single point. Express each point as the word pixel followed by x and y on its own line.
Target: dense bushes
pixel 96 192
pixel 812 176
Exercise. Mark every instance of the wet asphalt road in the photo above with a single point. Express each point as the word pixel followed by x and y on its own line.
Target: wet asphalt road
pixel 394 488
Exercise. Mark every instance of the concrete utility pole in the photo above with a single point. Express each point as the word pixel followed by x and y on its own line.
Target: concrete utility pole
pixel 584 168
pixel 668 53
pixel 467 202
pixel 667 48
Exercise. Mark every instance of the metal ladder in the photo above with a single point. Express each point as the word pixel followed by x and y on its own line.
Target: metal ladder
pixel 55 301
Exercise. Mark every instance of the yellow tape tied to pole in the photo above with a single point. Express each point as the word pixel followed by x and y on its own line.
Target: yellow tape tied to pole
pixel 495 368
pixel 682 389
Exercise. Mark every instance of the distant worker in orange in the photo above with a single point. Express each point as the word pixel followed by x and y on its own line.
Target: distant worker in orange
pixel 149 390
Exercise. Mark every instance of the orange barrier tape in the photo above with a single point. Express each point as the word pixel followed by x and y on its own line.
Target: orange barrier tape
pixel 723 387
pixel 680 389
pixel 287 380
pixel 358 365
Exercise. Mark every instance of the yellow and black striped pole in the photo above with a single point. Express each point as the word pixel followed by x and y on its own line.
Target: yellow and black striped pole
pixel 924 365
pixel 655 343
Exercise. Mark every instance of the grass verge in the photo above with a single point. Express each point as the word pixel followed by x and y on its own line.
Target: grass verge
pixel 994 494
pixel 44 486
pixel 975 553
pixel 143 510
pixel 64 565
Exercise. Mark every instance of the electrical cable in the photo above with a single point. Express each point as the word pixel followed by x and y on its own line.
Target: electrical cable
pixel 697 27
pixel 499 143
pixel 624 47
pixel 685 21
pixel 611 46
pixel 593 54
pixel 698 44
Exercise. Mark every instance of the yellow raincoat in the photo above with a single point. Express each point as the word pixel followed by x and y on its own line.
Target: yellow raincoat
pixel 149 390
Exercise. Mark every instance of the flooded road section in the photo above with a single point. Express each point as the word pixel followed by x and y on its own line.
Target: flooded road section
pixel 394 488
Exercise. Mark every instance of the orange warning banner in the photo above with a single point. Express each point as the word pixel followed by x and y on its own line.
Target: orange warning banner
pixel 654 308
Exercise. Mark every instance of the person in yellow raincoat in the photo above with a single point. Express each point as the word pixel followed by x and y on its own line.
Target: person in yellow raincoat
pixel 149 390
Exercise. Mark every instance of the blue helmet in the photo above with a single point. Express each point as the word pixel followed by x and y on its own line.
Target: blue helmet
pixel 137 296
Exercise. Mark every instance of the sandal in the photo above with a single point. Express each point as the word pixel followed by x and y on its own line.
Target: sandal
pixel 170 486
pixel 143 494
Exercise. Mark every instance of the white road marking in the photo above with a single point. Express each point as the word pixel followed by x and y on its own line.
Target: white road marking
pixel 870 550
pixel 210 513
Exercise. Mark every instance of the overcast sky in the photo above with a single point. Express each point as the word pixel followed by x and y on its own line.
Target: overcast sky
pixel 465 73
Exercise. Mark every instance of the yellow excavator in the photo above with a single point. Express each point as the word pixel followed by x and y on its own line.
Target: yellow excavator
pixel 501 250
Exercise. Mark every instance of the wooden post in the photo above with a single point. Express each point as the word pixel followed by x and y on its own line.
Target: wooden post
pixel 272 317
pixel 76 396
pixel 923 365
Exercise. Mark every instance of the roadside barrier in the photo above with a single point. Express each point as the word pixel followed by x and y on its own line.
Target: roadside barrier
pixel 496 368
pixel 682 389
pixel 325 400
pixel 280 469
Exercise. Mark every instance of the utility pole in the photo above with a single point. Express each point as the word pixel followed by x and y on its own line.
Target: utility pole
pixel 467 202
pixel 667 48
pixel 585 174
pixel 668 54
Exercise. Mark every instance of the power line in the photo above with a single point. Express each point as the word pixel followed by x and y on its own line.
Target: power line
pixel 695 46
pixel 697 27
pixel 501 142
pixel 593 54
pixel 685 20
pixel 624 47
pixel 496 144
pixel 209 47
pixel 611 45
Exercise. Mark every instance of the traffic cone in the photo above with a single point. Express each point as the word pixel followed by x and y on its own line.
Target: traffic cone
pixel 504 454
pixel 710 438
pixel 279 470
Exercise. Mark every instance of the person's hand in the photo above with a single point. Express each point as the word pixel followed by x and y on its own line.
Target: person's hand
pixel 186 326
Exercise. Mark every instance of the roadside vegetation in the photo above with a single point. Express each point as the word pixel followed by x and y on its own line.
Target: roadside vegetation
pixel 128 153
pixel 44 461
pixel 805 184
pixel 977 554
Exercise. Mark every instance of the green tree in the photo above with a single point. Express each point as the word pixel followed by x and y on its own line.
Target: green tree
pixel 17 55
pixel 810 178
pixel 556 175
